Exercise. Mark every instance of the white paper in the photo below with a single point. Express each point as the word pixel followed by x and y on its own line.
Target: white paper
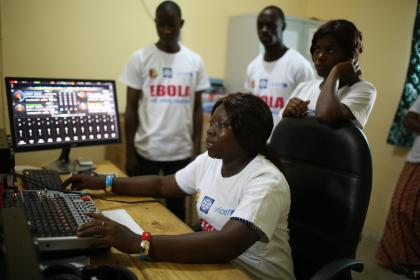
pixel 121 216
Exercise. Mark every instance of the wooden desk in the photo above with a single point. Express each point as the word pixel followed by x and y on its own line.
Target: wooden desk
pixel 154 217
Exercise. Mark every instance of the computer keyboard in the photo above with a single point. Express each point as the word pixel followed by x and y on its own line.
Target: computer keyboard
pixel 38 179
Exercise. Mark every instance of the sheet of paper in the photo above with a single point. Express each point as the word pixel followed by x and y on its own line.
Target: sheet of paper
pixel 121 216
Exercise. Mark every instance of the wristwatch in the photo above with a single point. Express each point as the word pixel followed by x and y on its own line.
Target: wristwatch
pixel 146 237
pixel 108 183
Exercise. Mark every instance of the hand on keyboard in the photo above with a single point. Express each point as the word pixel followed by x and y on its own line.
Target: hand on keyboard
pixel 83 181
pixel 114 234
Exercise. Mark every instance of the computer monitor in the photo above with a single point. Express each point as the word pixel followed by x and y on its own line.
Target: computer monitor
pixel 61 113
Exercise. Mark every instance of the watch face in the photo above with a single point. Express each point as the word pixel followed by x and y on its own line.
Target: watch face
pixel 145 246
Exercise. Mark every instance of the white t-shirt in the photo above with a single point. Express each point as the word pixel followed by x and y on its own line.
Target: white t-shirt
pixel 169 82
pixel 274 81
pixel 359 98
pixel 414 154
pixel 259 194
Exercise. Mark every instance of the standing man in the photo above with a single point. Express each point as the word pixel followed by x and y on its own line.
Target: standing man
pixel 274 75
pixel 163 117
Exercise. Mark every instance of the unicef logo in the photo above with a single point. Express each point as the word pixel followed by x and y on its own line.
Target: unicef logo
pixel 167 72
pixel 206 203
pixel 263 83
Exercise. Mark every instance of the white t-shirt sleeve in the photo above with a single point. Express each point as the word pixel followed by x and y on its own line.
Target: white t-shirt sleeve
pixel 202 77
pixel 187 177
pixel 265 199
pixel 133 72
pixel 360 101
pixel 304 73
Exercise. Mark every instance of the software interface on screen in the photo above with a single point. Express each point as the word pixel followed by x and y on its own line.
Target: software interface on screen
pixel 54 113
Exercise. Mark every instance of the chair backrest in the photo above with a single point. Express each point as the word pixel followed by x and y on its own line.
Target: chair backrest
pixel 329 170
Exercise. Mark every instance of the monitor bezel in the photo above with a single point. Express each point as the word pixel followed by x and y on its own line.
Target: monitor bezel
pixel 30 148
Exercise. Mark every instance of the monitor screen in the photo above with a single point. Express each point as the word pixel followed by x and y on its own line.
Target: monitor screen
pixel 58 113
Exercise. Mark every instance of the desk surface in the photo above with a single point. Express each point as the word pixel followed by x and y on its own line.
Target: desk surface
pixel 154 217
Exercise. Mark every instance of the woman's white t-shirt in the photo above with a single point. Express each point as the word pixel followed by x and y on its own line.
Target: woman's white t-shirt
pixel 359 98
pixel 259 194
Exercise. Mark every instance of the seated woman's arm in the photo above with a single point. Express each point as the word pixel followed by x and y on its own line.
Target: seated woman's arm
pixel 198 247
pixel 205 246
pixel 151 185
pixel 215 246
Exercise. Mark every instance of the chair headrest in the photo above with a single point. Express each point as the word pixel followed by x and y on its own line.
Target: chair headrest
pixel 327 145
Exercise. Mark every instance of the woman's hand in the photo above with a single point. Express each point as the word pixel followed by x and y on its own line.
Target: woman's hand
pixel 84 181
pixel 296 108
pixel 348 72
pixel 110 233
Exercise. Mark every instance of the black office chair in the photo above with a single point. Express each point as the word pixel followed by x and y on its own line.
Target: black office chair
pixel 329 171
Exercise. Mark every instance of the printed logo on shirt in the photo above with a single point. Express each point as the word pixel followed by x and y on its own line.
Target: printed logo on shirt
pixel 153 73
pixel 170 91
pixel 167 72
pixel 205 226
pixel 224 212
pixel 206 203
pixel 263 83
pixel 253 84
pixel 273 102
pixel 280 85
pixel 188 74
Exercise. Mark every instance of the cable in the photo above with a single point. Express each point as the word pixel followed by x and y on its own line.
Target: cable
pixel 37 184
pixel 122 201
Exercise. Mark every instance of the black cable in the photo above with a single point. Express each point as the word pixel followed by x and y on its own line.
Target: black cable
pixel 122 201
pixel 26 179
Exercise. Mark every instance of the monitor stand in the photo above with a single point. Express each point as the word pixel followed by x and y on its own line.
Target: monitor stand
pixel 64 165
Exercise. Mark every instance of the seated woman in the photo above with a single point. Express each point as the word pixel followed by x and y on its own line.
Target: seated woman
pixel 243 203
pixel 341 94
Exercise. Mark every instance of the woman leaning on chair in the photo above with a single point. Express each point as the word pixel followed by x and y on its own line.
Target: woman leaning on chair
pixel 341 94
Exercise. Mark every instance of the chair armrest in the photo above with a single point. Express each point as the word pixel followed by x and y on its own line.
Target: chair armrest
pixel 336 267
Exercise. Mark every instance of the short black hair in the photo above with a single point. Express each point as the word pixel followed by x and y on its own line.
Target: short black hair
pixel 169 5
pixel 251 120
pixel 345 32
pixel 279 12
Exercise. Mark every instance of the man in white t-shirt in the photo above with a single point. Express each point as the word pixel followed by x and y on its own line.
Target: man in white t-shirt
pixel 163 118
pixel 275 74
